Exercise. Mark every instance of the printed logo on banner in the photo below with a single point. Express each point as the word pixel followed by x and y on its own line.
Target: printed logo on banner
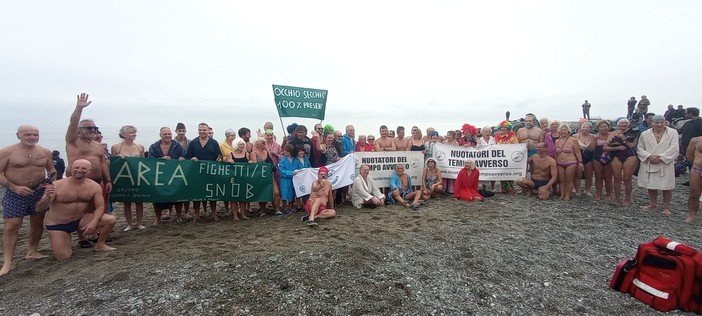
pixel 415 163
pixel 336 179
pixel 440 155
pixel 303 188
pixel 352 176
pixel 517 156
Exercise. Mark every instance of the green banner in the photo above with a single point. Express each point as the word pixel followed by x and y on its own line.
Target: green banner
pixel 158 180
pixel 300 102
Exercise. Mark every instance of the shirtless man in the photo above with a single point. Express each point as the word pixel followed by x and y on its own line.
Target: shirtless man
pixel 80 144
pixel 384 143
pixel 23 167
pixel 75 203
pixel 694 154
pixel 320 198
pixel 544 174
pixel 401 188
pixel 529 135
pixel 401 143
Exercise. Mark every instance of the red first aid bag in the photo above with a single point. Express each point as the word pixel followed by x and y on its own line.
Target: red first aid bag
pixel 664 274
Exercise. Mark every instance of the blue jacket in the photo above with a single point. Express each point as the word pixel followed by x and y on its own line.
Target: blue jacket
pixel 175 151
pixel 348 144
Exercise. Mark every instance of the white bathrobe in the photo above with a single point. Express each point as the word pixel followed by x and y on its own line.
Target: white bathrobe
pixel 362 191
pixel 659 176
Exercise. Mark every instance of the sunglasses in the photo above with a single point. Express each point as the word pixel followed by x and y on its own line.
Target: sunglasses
pixel 91 128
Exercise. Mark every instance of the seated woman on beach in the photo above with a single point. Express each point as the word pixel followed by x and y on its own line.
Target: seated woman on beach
pixel 431 180
pixel 362 145
pixel 401 189
pixel 466 187
pixel 364 192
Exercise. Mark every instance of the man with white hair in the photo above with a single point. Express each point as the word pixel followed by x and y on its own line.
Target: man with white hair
pixel 348 142
pixel 658 151
pixel 23 169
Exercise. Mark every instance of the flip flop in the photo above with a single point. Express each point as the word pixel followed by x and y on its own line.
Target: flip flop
pixel 311 223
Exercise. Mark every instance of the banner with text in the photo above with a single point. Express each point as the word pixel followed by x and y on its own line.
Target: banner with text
pixel 300 102
pixel 382 165
pixel 158 180
pixel 495 162
pixel 341 174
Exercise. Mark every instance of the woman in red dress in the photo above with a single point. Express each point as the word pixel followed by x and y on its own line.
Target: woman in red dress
pixel 466 187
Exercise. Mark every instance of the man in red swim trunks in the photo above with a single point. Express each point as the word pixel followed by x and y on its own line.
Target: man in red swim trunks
pixel 320 198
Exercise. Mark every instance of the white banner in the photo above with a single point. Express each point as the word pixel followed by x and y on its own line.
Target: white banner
pixel 382 165
pixel 495 162
pixel 341 174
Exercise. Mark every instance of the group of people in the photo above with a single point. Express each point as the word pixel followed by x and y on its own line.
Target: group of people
pixel 558 160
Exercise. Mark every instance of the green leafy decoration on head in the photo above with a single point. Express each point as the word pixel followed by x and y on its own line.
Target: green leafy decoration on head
pixel 328 129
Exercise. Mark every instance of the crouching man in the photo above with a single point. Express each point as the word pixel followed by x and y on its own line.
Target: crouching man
pixel 75 204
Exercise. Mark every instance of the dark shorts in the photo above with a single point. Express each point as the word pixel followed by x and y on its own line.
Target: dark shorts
pixel 16 206
pixel 531 152
pixel 539 183
pixel 164 205
pixel 69 228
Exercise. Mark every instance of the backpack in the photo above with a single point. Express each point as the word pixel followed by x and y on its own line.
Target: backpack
pixel 664 274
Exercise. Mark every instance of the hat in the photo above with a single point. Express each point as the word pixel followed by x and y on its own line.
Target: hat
pixel 323 169
pixel 291 128
pixel 269 131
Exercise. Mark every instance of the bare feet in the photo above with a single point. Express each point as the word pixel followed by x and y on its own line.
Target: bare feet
pixel 626 203
pixel 104 247
pixel 156 222
pixel 5 269
pixel 597 197
pixel 666 212
pixel 690 219
pixel 35 255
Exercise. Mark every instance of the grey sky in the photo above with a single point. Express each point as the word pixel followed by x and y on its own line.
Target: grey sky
pixel 154 63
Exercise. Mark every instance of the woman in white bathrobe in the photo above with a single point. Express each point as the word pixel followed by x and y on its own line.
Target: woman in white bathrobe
pixel 364 192
pixel 658 150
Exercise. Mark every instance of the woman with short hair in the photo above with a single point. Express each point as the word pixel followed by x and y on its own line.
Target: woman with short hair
pixel 364 192
pixel 466 188
pixel 622 146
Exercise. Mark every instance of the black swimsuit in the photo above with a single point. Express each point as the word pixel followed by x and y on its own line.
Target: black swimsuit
pixel 240 159
pixel 417 148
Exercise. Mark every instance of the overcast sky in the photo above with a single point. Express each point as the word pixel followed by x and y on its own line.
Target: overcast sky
pixel 440 64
